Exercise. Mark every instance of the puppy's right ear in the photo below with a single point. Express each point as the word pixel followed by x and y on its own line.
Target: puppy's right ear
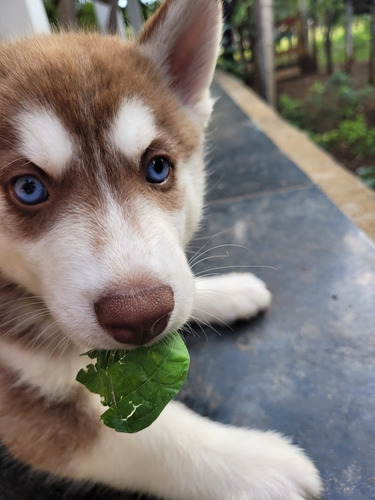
pixel 183 40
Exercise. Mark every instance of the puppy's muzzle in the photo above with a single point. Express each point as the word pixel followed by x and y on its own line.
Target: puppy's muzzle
pixel 137 317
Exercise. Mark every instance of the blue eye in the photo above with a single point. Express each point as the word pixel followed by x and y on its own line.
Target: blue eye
pixel 158 170
pixel 29 190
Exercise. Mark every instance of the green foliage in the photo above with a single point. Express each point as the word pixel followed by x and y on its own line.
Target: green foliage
pixel 361 39
pixel 86 18
pixel 51 10
pixel 356 134
pixel 353 135
pixel 326 105
pixel 149 7
pixel 350 100
pixel 333 115
pixel 328 10
pixel 292 110
pixel 367 174
pixel 85 13
pixel 284 9
pixel 240 13
pixel 237 68
pixel 137 384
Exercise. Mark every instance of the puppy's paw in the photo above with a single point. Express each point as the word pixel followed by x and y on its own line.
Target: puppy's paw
pixel 268 467
pixel 230 297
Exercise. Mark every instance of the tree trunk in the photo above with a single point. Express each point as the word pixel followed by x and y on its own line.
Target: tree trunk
pixel 349 37
pixel 265 48
pixel 112 18
pixel 228 41
pixel 305 61
pixel 372 46
pixel 328 45
pixel 66 11
pixel 303 34
pixel 313 43
pixel 135 15
pixel 241 44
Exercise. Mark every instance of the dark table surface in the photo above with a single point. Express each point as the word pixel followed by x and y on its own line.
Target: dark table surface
pixel 305 368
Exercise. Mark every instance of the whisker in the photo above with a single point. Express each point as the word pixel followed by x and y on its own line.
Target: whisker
pixel 31 315
pixel 207 324
pixel 5 313
pixel 31 298
pixel 199 324
pixel 208 258
pixel 190 330
pixel 235 267
pixel 59 345
pixel 68 344
pixel 198 252
pixel 41 334
pixel 219 320
pixel 224 245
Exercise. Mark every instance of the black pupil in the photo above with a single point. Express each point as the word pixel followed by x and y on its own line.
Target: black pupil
pixel 159 165
pixel 28 186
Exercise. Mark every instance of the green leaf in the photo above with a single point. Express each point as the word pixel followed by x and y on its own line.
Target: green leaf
pixel 136 385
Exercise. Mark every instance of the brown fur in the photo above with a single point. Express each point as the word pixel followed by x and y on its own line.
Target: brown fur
pixel 185 64
pixel 97 63
pixel 49 67
pixel 23 316
pixel 40 432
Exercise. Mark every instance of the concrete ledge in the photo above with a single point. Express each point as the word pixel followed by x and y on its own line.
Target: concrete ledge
pixel 353 198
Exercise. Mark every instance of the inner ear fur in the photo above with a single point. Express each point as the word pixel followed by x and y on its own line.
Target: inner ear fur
pixel 183 40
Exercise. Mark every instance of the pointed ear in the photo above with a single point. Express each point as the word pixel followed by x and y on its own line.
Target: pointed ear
pixel 183 40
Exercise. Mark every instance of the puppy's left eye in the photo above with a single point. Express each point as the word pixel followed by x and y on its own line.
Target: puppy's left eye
pixel 29 190
pixel 158 170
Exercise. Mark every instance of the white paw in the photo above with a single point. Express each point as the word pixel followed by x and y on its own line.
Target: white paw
pixel 267 467
pixel 230 297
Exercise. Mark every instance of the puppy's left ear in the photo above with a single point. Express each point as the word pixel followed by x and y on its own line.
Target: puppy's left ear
pixel 183 40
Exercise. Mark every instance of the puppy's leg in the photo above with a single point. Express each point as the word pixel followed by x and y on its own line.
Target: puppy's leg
pixel 183 456
pixel 229 297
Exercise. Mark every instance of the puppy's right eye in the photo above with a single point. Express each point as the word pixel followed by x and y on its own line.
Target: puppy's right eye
pixel 29 190
pixel 158 170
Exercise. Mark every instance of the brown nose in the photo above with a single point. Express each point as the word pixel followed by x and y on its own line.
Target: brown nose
pixel 137 317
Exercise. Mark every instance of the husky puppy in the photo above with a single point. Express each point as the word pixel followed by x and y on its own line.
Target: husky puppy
pixel 101 189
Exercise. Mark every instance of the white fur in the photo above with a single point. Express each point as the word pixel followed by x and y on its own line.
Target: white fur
pixel 229 297
pixel 202 110
pixel 44 140
pixel 192 180
pixel 134 128
pixel 131 252
pixel 52 377
pixel 207 461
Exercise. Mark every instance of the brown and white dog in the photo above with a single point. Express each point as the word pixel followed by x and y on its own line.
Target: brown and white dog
pixel 101 188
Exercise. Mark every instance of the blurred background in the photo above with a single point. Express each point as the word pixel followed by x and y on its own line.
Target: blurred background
pixel 313 60
pixel 321 69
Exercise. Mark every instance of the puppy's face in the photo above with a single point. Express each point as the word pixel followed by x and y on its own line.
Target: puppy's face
pixel 101 179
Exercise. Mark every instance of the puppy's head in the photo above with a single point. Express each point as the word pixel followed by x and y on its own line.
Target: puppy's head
pixel 101 172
